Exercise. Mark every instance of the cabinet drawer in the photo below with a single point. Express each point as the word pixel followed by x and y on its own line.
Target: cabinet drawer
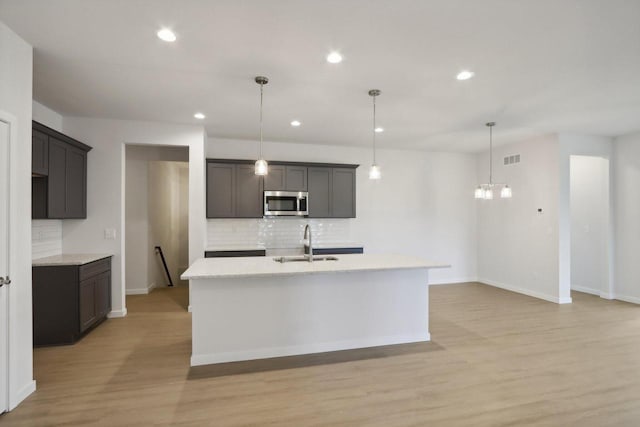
pixel 94 268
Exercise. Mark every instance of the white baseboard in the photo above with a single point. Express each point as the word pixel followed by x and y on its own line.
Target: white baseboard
pixel 293 350
pixel 453 281
pixel 141 291
pixel 117 313
pixel 22 394
pixel 585 290
pixel 528 292
pixel 633 300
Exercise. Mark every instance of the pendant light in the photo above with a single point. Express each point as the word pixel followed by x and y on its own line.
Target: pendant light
pixel 374 171
pixel 485 191
pixel 261 168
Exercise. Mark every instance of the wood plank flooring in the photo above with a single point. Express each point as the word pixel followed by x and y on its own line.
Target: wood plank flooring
pixel 496 359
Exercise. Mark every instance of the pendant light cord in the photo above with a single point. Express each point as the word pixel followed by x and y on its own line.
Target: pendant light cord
pixel 490 155
pixel 261 85
pixel 374 130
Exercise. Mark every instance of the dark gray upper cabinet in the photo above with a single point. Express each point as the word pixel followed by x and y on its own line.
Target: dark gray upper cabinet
pixel 319 184
pixel 234 191
pixel 275 179
pixel 343 195
pixel 296 178
pixel 248 192
pixel 39 153
pixel 60 191
pixel 221 195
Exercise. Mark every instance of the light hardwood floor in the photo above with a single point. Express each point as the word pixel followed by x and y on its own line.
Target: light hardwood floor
pixel 496 359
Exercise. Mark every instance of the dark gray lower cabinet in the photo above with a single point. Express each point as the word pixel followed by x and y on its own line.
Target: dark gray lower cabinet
pixel 69 300
pixel 233 254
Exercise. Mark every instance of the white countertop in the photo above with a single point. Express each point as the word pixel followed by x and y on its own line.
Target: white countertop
pixel 211 268
pixel 68 259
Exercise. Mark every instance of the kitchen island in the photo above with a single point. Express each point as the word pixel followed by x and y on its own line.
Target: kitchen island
pixel 254 308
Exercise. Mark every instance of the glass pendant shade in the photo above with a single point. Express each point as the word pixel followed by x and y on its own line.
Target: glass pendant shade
pixel 505 193
pixel 262 168
pixel 488 194
pixel 479 194
pixel 374 172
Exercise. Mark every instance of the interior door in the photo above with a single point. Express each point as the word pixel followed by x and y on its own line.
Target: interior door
pixel 4 265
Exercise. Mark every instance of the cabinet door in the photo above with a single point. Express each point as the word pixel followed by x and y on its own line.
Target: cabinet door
pixel 343 194
pixel 248 192
pixel 274 180
pixel 39 153
pixel 87 302
pixel 296 178
pixel 56 190
pixel 221 195
pixel 76 184
pixel 319 184
pixel 103 294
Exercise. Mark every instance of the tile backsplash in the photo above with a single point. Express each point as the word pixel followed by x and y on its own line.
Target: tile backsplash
pixel 46 238
pixel 275 233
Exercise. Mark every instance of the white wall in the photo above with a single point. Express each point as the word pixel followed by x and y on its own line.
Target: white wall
pixel 46 235
pixel 589 224
pixel 46 116
pixel 626 164
pixel 106 178
pixel 16 72
pixel 140 256
pixel 423 205
pixel 517 246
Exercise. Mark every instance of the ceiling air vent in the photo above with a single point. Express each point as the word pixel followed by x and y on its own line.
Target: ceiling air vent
pixel 511 160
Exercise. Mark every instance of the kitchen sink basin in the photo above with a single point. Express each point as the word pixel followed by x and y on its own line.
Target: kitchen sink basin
pixel 284 259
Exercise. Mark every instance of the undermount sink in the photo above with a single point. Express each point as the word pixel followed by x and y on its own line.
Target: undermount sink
pixel 284 259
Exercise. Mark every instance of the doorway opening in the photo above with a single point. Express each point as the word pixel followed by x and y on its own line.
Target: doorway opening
pixel 156 216
pixel 590 225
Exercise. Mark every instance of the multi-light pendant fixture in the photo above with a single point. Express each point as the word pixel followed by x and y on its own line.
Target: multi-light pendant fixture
pixel 374 171
pixel 485 191
pixel 261 168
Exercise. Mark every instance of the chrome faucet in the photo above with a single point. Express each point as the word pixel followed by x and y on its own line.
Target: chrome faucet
pixel 307 235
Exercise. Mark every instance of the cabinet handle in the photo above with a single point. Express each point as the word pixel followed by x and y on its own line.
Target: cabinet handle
pixel 5 281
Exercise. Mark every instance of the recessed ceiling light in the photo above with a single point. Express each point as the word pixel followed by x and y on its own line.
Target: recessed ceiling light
pixel 295 123
pixel 199 116
pixel 465 75
pixel 166 35
pixel 334 58
pixel 379 130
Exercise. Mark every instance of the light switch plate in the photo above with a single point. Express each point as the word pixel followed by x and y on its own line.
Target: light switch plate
pixel 110 234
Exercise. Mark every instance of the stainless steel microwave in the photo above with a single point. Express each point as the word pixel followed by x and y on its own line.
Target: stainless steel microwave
pixel 286 203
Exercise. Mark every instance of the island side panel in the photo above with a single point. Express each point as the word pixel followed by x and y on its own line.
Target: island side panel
pixel 236 319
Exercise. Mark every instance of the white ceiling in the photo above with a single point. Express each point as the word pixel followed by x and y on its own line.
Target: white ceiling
pixel 541 66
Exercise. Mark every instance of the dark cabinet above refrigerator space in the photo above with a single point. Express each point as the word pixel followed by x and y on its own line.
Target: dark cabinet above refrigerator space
pixel 59 175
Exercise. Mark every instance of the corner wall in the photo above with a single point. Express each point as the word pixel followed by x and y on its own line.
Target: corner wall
pixel 626 165
pixel 16 75
pixel 106 178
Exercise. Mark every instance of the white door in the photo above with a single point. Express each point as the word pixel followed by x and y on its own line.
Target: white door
pixel 4 266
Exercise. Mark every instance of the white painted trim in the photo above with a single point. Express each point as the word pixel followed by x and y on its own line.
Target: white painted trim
pixel 585 290
pixel 606 295
pixel 117 313
pixel 142 291
pixel 269 352
pixel 527 292
pixel 22 394
pixel 453 281
pixel 633 300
